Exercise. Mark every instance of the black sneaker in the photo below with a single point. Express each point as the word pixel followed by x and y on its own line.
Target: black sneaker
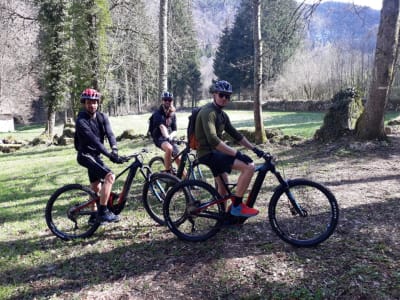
pixel 107 217
pixel 92 219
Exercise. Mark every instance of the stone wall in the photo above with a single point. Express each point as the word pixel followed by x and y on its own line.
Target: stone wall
pixel 297 105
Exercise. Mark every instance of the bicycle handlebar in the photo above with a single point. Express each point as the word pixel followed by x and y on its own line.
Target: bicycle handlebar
pixel 127 158
pixel 267 156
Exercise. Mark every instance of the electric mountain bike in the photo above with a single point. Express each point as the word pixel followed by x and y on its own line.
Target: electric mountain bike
pixel 301 212
pixel 70 207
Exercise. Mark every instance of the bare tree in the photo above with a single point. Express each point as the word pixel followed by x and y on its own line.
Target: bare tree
pixel 371 123
pixel 163 40
pixel 260 136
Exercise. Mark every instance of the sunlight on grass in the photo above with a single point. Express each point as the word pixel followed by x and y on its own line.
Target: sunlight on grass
pixel 291 123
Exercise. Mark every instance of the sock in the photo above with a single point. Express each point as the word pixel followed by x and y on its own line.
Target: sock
pixel 102 209
pixel 237 200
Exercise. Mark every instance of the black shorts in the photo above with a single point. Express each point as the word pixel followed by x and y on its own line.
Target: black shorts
pixel 161 139
pixel 97 170
pixel 218 162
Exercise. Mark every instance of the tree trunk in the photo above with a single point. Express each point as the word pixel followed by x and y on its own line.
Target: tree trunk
pixel 371 123
pixel 127 91
pixel 139 88
pixel 163 40
pixel 260 136
pixel 51 122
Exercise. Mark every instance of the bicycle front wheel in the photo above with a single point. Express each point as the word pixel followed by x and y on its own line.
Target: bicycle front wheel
pixel 154 192
pixel 156 164
pixel 199 171
pixel 68 211
pixel 192 210
pixel 303 214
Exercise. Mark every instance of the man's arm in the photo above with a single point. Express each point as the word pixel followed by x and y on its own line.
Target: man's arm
pixel 109 133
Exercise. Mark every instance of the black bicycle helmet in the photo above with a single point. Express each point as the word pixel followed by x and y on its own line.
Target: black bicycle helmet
pixel 91 94
pixel 166 95
pixel 222 86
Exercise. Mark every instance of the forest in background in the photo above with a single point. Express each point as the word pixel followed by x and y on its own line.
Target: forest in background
pixel 337 51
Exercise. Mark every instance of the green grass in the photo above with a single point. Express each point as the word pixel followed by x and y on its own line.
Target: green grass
pixel 302 124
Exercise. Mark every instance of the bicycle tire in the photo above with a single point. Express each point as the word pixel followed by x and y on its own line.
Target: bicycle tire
pixel 59 206
pixel 202 172
pixel 154 192
pixel 156 164
pixel 192 212
pixel 320 205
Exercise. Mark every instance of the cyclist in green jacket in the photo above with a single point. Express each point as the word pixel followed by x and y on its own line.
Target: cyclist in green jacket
pixel 211 121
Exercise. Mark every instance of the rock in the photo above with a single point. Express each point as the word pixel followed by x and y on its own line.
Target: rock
pixel 342 116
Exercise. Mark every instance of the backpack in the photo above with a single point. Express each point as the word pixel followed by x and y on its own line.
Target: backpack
pixel 150 128
pixel 100 121
pixel 193 142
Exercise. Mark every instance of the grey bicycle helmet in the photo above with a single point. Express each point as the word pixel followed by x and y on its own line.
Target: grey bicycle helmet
pixel 167 95
pixel 222 86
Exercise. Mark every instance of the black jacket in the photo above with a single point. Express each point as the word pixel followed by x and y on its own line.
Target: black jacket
pixel 159 118
pixel 91 133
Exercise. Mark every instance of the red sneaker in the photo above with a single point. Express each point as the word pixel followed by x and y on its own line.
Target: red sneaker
pixel 242 210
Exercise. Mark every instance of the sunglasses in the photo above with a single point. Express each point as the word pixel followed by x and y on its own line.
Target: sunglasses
pixel 167 99
pixel 227 97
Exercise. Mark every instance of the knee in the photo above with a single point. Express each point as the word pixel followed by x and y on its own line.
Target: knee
pixel 110 178
pixel 250 168
pixel 168 149
pixel 96 186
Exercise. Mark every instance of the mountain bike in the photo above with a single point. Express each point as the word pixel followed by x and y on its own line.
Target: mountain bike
pixel 70 207
pixel 189 166
pixel 301 212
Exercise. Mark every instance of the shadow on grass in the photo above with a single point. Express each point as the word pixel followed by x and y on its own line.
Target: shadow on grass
pixel 166 257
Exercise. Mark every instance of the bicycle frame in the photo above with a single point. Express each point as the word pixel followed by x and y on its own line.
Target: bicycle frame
pixel 185 157
pixel 137 164
pixel 262 171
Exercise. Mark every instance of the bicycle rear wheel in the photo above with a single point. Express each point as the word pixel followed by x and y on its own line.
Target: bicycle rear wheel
pixel 192 211
pixel 156 164
pixel 68 211
pixel 154 192
pixel 316 220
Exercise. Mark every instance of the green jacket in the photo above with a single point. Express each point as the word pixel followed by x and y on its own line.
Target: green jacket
pixel 211 122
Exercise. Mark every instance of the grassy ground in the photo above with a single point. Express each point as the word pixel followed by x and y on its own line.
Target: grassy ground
pixel 135 259
pixel 291 123
pixel 303 124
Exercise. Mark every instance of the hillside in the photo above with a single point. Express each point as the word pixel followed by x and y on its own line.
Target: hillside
pixel 332 22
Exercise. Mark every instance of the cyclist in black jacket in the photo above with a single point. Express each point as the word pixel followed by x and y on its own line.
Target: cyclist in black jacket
pixel 165 129
pixel 91 129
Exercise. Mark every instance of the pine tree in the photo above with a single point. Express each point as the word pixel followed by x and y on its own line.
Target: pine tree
pixel 184 74
pixel 53 44
pixel 89 51
pixel 280 36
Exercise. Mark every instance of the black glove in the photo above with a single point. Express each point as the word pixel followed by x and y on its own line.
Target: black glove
pixel 116 159
pixel 258 152
pixel 243 157
pixel 115 151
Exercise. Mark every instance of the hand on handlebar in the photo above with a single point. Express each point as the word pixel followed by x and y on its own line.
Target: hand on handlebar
pixel 258 152
pixel 117 159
